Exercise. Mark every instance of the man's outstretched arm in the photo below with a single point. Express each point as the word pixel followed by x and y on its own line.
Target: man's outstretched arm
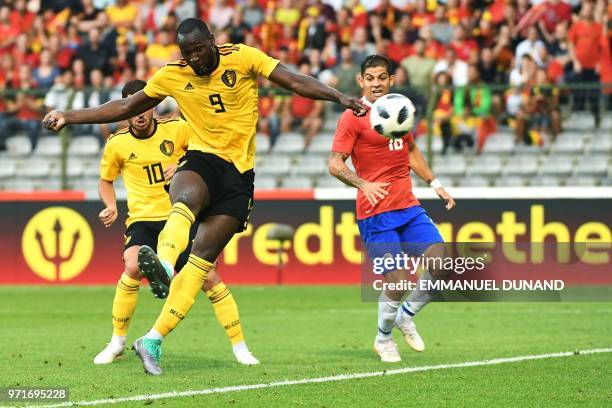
pixel 310 87
pixel 113 111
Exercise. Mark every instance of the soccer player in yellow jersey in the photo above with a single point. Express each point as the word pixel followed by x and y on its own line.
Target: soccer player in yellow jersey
pixel 146 154
pixel 216 90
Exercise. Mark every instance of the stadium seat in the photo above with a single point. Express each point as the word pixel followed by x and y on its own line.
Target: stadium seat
pixel 310 166
pixel 8 168
pixel 580 121
pixel 510 181
pixel 449 165
pixel 49 146
pixel 489 166
pixel 474 181
pixel 544 181
pixel 265 183
pixel 20 185
pixel 436 144
pixel 560 166
pixel 567 143
pixel 500 143
pixel 36 169
pixel 320 146
pixel 75 167
pixel 330 182
pixel 521 165
pixel 47 185
pixel 289 143
pixel 297 182
pixel 524 150
pixel 91 170
pixel 84 146
pixel 276 166
pixel 592 166
pixel 262 143
pixel 601 144
pixel 446 181
pixel 582 181
pixel 18 146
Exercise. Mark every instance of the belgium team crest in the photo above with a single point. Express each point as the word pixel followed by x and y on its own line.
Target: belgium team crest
pixel 167 147
pixel 229 78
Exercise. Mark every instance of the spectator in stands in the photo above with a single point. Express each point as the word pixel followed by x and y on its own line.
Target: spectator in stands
pixel 503 51
pixel 462 45
pixel 524 74
pixel 544 106
pixel 531 46
pixel 63 95
pixel 419 68
pixel 346 73
pixel 558 47
pixel 421 16
pixel 443 111
pixel 220 15
pixel 122 16
pixel 398 49
pixel 20 16
pixel 162 51
pixel 441 30
pixel 237 28
pixel 269 106
pixel 46 72
pixel 287 13
pixel 586 53
pixel 360 47
pixel 305 113
pixel 402 85
pixel 253 15
pixel 546 16
pixel 90 17
pixel 184 9
pixel 457 69
pixel 24 113
pixel 8 31
pixel 93 53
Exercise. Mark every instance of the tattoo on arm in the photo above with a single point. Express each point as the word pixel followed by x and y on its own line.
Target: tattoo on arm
pixel 340 170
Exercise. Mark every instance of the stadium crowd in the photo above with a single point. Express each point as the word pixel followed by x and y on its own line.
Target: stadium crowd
pixel 478 62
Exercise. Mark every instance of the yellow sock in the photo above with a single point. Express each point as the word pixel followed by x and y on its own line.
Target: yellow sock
pixel 174 238
pixel 124 304
pixel 183 291
pixel 226 311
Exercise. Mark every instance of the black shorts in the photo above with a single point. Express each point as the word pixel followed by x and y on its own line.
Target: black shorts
pixel 146 233
pixel 231 192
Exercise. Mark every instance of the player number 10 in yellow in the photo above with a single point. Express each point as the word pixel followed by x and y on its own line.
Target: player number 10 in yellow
pixel 155 173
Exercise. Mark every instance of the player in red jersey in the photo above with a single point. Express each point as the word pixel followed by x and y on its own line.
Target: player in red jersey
pixel 390 217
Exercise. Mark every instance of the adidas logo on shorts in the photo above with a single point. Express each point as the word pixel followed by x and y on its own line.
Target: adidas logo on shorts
pixel 188 87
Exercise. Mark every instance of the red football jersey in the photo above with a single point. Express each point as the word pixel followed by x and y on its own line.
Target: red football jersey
pixel 376 159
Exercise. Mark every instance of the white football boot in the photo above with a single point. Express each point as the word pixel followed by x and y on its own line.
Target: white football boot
pixel 411 336
pixel 243 355
pixel 387 351
pixel 111 352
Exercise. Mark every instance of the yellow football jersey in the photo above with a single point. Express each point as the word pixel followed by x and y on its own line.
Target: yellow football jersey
pixel 221 109
pixel 141 163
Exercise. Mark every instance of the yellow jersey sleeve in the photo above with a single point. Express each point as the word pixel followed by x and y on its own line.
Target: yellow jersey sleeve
pixel 157 86
pixel 110 166
pixel 257 62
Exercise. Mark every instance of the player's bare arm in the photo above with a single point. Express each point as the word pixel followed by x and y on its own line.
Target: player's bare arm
pixel 112 111
pixel 310 87
pixel 420 167
pixel 373 191
pixel 107 193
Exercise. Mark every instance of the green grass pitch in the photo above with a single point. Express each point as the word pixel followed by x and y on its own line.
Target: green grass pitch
pixel 49 336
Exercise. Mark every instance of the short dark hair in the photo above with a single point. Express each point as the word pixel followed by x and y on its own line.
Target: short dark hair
pixel 375 60
pixel 189 25
pixel 132 87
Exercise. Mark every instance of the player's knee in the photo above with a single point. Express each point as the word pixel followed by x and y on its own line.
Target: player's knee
pixel 131 268
pixel 190 200
pixel 212 280
pixel 437 265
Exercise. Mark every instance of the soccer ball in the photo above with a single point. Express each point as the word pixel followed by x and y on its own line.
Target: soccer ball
pixel 392 115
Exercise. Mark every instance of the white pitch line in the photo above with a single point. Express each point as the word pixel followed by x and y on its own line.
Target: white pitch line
pixel 342 377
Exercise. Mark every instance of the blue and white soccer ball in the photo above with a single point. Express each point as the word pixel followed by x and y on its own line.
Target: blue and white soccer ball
pixel 392 115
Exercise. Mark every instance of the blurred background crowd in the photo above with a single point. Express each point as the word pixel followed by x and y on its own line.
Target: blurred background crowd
pixel 472 65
